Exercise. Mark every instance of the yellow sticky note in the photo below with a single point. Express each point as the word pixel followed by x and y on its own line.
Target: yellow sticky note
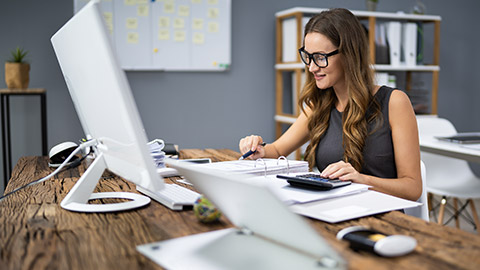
pixel 169 7
pixel 130 2
pixel 163 22
pixel 179 36
pixel 132 37
pixel 213 27
pixel 178 23
pixel 142 10
pixel 108 17
pixel 155 50
pixel 196 1
pixel 198 38
pixel 132 23
pixel 183 11
pixel 197 24
pixel 213 13
pixel 212 2
pixel 110 27
pixel 163 34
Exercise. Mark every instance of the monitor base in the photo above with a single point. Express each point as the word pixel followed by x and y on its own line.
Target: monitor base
pixel 135 201
pixel 79 196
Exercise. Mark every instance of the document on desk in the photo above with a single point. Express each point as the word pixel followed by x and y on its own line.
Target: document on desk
pixel 292 195
pixel 259 167
pixel 353 206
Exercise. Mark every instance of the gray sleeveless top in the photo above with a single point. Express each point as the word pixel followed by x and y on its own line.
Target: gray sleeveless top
pixel 378 156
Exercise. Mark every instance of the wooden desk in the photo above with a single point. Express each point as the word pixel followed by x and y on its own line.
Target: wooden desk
pixel 35 233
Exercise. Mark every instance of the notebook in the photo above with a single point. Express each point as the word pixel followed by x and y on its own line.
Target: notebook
pixel 267 235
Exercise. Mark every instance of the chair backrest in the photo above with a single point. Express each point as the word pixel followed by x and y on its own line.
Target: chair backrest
pixel 422 210
pixel 435 126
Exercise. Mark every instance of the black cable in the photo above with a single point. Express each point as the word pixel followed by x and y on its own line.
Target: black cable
pixel 59 169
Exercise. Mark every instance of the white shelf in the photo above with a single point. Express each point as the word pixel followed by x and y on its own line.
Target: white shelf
pixel 294 66
pixel 285 119
pixel 290 66
pixel 406 68
pixel 363 13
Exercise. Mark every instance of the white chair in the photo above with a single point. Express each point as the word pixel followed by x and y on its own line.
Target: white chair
pixel 448 177
pixel 422 210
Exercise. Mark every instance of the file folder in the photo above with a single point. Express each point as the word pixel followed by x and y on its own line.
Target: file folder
pixel 409 43
pixel 393 37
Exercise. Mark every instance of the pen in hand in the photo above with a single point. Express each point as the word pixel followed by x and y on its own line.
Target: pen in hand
pixel 250 152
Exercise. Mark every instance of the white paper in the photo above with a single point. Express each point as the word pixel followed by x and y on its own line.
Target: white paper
pixel 291 195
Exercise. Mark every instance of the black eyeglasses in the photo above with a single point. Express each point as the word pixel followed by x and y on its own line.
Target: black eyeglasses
pixel 320 59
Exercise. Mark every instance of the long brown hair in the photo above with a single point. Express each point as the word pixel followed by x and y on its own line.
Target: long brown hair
pixel 345 32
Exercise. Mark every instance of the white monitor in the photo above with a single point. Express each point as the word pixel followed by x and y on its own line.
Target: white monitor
pixel 107 111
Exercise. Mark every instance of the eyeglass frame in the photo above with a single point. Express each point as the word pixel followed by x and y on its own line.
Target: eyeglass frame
pixel 310 56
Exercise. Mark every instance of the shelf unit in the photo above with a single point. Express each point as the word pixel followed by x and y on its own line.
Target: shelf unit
pixel 296 67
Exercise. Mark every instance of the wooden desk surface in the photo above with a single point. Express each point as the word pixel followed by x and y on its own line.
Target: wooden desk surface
pixel 36 233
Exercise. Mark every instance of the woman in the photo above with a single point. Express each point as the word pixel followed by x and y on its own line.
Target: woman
pixel 358 131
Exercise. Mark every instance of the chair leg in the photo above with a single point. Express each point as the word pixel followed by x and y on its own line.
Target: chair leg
pixel 430 201
pixel 475 216
pixel 443 202
pixel 457 222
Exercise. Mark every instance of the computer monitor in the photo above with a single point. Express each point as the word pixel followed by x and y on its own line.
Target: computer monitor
pixel 107 111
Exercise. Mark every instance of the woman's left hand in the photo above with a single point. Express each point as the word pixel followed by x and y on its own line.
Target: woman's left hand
pixel 343 171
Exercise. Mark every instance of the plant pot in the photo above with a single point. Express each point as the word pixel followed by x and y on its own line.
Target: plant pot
pixel 371 5
pixel 17 75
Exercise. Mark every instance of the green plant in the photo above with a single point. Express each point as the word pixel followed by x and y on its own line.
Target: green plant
pixel 18 55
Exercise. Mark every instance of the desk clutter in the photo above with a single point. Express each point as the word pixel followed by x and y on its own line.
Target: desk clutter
pixel 70 238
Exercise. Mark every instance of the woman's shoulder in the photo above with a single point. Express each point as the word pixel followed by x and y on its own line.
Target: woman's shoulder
pixel 382 90
pixel 383 93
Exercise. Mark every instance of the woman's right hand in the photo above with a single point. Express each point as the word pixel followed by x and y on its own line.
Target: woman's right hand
pixel 252 143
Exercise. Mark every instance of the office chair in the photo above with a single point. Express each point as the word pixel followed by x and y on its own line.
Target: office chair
pixel 422 210
pixel 448 177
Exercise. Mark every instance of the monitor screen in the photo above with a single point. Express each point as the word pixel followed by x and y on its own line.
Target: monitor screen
pixel 104 104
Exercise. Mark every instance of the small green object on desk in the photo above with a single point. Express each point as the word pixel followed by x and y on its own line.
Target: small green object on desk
pixel 205 211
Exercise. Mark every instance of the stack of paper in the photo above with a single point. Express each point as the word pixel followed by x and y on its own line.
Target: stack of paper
pixel 292 195
pixel 259 167
pixel 157 154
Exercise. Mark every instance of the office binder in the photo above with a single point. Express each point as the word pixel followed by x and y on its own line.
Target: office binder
pixel 409 43
pixel 259 167
pixel 393 36
pixel 289 38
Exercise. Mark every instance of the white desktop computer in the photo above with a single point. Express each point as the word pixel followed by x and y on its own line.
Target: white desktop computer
pixel 107 111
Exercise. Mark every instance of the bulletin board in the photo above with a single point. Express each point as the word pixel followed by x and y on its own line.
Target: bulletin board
pixel 170 35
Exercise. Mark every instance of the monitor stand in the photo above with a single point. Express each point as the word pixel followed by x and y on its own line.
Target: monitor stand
pixel 78 197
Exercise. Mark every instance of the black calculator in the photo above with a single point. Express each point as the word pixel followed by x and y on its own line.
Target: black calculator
pixel 313 181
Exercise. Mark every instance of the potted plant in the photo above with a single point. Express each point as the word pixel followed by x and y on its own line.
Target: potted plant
pixel 17 70
pixel 372 5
